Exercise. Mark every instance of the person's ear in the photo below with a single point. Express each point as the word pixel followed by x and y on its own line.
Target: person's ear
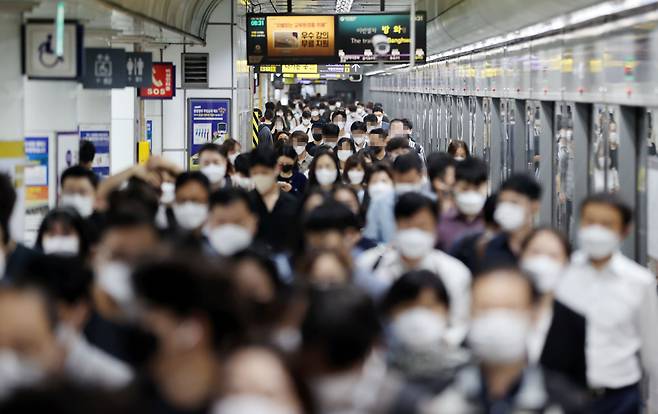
pixel 535 205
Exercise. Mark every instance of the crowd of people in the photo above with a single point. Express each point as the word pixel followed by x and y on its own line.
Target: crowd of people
pixel 335 268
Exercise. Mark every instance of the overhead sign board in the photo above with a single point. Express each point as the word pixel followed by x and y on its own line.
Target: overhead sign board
pixel 105 68
pixel 39 50
pixel 347 69
pixel 163 82
pixel 327 39
pixel 354 34
pixel 139 68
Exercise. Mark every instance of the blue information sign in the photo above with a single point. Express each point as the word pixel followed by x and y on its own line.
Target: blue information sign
pixel 101 140
pixel 208 121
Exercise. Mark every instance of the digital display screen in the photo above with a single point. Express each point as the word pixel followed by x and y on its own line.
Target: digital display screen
pixel 333 39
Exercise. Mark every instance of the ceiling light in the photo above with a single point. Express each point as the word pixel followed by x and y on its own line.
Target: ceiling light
pixel 343 6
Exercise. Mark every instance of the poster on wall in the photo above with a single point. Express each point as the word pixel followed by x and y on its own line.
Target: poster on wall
pixel 101 140
pixel 68 147
pixel 208 121
pixel 35 177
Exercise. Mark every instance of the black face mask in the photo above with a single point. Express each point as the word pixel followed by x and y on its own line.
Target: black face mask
pixel 286 168
pixel 317 137
pixel 375 149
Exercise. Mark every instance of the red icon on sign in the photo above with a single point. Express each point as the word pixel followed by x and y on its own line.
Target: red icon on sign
pixel 164 82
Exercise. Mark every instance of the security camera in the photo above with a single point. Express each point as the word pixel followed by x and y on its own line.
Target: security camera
pixel 380 44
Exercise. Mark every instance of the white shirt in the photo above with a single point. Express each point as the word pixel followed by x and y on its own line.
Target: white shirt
pixel 538 334
pixel 455 276
pixel 620 305
pixel 308 129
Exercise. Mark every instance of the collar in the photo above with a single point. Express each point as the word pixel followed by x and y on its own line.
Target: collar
pixel 615 265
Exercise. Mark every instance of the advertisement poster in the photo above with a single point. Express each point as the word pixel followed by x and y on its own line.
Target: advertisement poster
pixel 208 121
pixel 163 84
pixel 35 178
pixel 101 140
pixel 354 34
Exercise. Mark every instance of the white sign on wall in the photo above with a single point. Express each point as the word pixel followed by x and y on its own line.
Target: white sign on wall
pixel 41 60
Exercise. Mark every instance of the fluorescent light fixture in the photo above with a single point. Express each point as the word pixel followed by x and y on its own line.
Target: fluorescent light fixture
pixel 59 30
pixel 343 6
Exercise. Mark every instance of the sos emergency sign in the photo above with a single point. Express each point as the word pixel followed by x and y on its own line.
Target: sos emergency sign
pixel 164 82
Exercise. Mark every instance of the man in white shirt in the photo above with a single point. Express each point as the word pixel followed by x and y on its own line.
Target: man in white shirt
pixel 412 248
pixel 305 125
pixel 618 299
pixel 359 135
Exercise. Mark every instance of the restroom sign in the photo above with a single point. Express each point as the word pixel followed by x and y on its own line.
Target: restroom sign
pixel 105 68
pixel 139 69
pixel 163 82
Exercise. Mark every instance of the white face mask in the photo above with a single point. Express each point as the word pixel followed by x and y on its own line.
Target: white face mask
pixel 214 172
pixel 17 372
pixel 510 216
pixel 84 205
pixel 359 139
pixel 279 113
pixel 114 278
pixel 418 329
pixel 459 159
pixel 263 182
pixel 61 245
pixel 359 110
pixel 233 157
pixel 306 122
pixel 414 243
pixel 252 404
pixel 315 113
pixel 343 155
pixel 380 189
pixel 598 242
pixel 326 176
pixel 299 149
pixel 356 176
pixel 190 215
pixel 243 182
pixel 332 107
pixel 168 193
pixel 379 119
pixel 403 188
pixel 544 270
pixel 499 336
pixel 229 239
pixel 341 125
pixel 470 202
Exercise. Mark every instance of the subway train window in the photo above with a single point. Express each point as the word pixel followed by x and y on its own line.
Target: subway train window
pixel 648 193
pixel 564 165
pixel 472 120
pixel 507 154
pixel 533 129
pixel 486 133
pixel 604 150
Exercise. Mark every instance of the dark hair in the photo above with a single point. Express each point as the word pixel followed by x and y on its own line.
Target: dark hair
pixel 193 176
pixel 269 105
pixel 192 287
pixel 318 124
pixel 379 131
pixel 62 278
pixel 138 194
pixel 69 218
pixel 341 323
pixel 455 144
pixel 312 179
pixel 377 108
pixel 407 162
pixel 349 141
pixel 330 130
pixel 522 183
pixel 566 246
pixel 211 146
pixel 269 115
pixel 264 262
pixel 227 196
pixel 305 264
pixel 262 156
pixel 396 120
pixel 500 267
pixel 489 209
pixel 437 165
pixel 336 113
pixel 330 215
pixel 611 200
pixel 299 135
pixel 407 123
pixel 288 151
pixel 409 204
pixel 7 201
pixel 128 217
pixel 370 119
pixel 472 170
pixel 78 171
pixel 306 114
pixel 358 126
pixel 228 145
pixel 398 143
pixel 353 161
pixel 410 285
pixel 87 151
pixel 378 167
pixel 243 163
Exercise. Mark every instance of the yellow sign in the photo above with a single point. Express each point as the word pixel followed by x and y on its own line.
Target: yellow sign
pixel 143 152
pixel 299 68
pixel 300 36
pixel 267 69
pixel 308 76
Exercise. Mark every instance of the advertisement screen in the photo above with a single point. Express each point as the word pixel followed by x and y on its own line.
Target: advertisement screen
pixel 333 39
pixel 391 34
